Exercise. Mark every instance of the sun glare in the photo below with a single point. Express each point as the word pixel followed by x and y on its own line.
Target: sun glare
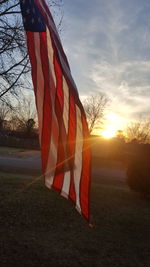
pixel 112 124
pixel 108 133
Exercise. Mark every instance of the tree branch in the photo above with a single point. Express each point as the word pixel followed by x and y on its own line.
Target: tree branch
pixel 12 85
pixel 5 12
pixel 15 65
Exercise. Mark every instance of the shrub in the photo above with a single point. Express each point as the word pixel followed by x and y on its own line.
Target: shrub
pixel 138 176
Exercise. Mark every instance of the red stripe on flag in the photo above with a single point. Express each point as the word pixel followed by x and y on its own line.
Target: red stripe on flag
pixel 59 86
pixel 71 128
pixel 59 173
pixel 85 176
pixel 72 194
pixel 71 143
pixel 47 107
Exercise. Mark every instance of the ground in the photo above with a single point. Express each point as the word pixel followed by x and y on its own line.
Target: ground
pixel 40 228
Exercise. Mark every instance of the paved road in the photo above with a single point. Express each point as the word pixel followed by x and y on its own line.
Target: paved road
pixel 27 165
pixel 32 165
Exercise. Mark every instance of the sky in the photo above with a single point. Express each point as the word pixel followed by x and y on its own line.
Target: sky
pixel 107 43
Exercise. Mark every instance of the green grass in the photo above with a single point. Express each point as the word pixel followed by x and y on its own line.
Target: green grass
pixel 40 228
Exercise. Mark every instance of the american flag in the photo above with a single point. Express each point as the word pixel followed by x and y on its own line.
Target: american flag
pixel 63 130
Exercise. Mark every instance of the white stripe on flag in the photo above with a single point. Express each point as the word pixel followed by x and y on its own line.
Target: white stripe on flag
pixel 78 156
pixel 66 185
pixel 66 182
pixel 66 104
pixel 52 156
pixel 40 81
pixel 51 165
pixel 50 56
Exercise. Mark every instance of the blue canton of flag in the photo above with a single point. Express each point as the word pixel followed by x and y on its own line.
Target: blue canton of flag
pixel 32 17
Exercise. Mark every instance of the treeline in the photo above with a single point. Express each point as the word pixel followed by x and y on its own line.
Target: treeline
pixel 18 124
pixel 118 149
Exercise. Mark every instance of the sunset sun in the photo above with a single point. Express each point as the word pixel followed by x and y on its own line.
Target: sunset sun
pixel 112 124
pixel 108 133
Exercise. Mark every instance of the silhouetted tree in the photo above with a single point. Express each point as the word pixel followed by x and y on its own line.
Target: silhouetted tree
pixel 14 60
pixel 138 132
pixel 30 126
pixel 94 107
pixel 4 111
pixel 120 135
pixel 24 117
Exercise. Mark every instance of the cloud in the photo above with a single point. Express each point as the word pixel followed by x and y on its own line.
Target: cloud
pixel 108 46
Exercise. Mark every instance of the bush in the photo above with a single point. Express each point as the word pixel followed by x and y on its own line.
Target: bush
pixel 138 176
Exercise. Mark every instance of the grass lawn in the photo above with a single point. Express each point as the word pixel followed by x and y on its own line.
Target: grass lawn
pixel 40 228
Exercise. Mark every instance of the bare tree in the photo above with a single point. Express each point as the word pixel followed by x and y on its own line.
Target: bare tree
pixel 4 111
pixel 25 116
pixel 94 107
pixel 14 61
pixel 138 131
